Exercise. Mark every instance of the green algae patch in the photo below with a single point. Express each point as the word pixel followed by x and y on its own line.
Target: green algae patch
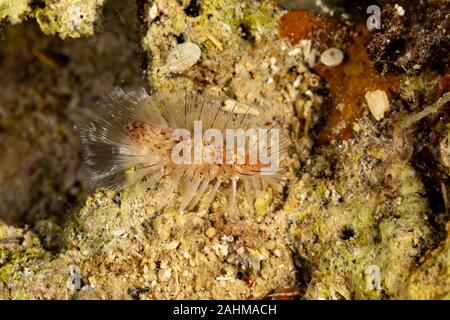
pixel 5 272
pixel 261 20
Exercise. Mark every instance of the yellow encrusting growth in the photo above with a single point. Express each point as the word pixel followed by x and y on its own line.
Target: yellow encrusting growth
pixel 14 10
pixel 69 18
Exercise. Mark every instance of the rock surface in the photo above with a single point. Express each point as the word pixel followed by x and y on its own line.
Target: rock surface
pixel 354 221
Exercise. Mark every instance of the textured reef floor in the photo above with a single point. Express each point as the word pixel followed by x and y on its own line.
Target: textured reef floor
pixel 360 217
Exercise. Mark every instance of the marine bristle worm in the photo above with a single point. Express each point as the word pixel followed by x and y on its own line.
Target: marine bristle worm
pixel 132 136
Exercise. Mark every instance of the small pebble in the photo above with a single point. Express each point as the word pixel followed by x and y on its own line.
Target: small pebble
pixel 183 56
pixel 332 57
pixel 164 274
pixel 172 245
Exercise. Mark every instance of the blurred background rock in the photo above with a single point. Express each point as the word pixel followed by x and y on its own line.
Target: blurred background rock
pixel 46 83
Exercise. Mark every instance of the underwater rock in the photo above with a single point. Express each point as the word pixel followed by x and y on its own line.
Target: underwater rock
pixel 413 38
pixel 354 222
pixel 65 18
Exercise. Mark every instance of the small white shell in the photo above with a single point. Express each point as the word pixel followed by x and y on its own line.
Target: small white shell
pixel 183 56
pixel 378 103
pixel 332 57
pixel 73 278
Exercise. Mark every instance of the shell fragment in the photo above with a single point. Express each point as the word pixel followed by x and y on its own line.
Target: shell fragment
pixel 378 103
pixel 183 56
pixel 332 57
